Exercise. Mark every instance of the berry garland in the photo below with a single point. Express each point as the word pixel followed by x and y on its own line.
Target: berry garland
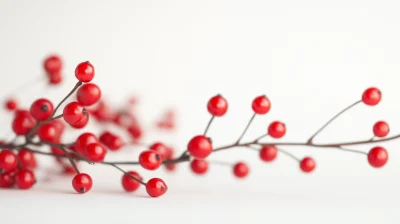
pixel 42 126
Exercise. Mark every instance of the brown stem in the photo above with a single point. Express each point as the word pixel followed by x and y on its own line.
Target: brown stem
pixel 247 127
pixel 208 125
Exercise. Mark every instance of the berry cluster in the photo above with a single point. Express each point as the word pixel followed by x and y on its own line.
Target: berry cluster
pixel 41 126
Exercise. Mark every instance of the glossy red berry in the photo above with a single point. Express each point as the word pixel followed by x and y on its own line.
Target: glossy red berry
pixel 48 133
pixel 156 187
pixel 7 180
pixel 11 104
pixel 261 105
pixel 59 125
pixel 307 164
pixel 161 149
pixel 26 159
pixel 88 94
pixel 200 147
pixel 378 157
pixel 82 123
pixel 84 72
pixel 268 153
pixel 8 161
pixel 52 64
pixel 381 129
pixel 41 109
pixel 217 106
pixel 25 179
pixel 113 142
pixel 372 96
pixel 82 183
pixel 23 123
pixel 128 183
pixel 150 160
pixel 74 113
pixel 199 166
pixel 95 152
pixel 240 170
pixel 84 140
pixel 277 129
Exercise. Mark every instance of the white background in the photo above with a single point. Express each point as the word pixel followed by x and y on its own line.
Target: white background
pixel 311 58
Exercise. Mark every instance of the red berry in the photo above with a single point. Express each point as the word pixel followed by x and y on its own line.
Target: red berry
pixel 381 129
pixel 372 96
pixel 84 72
pixel 82 123
pixel 240 170
pixel 217 106
pixel 268 153
pixel 171 167
pixel 59 125
pixel 135 132
pixel 307 164
pixel 156 187
pixel 277 129
pixel 26 159
pixel 74 113
pixel 8 161
pixel 7 180
pixel 11 104
pixel 200 147
pixel 129 183
pixel 48 133
pixel 261 105
pixel 57 151
pixel 150 160
pixel 42 109
pixel 199 166
pixel 113 142
pixel 84 140
pixel 70 170
pixel 82 183
pixel 378 157
pixel 161 149
pixel 52 64
pixel 95 152
pixel 88 94
pixel 25 179
pixel 23 123
pixel 55 78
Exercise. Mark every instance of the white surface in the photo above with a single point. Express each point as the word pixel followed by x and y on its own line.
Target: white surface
pixel 311 58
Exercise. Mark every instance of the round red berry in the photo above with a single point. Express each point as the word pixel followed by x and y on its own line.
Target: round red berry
pixel 240 170
pixel 11 104
pixel 135 132
pixel 74 113
pixel 268 153
pixel 41 109
pixel 52 64
pixel 372 96
pixel 113 142
pixel 378 157
pixel 381 129
pixel 82 123
pixel 161 149
pixel 25 179
pixel 200 147
pixel 59 125
pixel 8 161
pixel 156 187
pixel 7 180
pixel 150 160
pixel 88 94
pixel 261 105
pixel 84 72
pixel 95 152
pixel 26 159
pixel 171 167
pixel 199 166
pixel 82 183
pixel 129 183
pixel 23 123
pixel 307 165
pixel 84 140
pixel 57 151
pixel 217 106
pixel 55 78
pixel 277 129
pixel 48 133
